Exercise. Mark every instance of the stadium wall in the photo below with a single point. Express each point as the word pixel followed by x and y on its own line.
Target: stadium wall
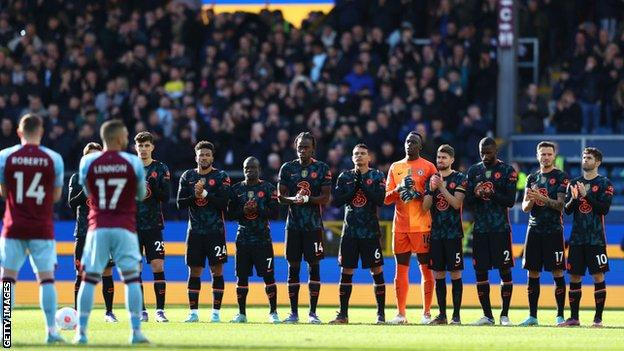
pixel 176 272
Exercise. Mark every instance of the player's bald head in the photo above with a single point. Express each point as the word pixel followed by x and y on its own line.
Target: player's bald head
pixel 251 161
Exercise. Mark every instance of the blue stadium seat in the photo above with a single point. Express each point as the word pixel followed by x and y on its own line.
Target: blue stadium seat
pixel 618 200
pixel 617 172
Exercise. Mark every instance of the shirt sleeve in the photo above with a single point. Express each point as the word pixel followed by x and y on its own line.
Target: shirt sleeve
pixel 59 170
pixel 326 176
pixel 139 171
pixel 3 157
pixel 391 195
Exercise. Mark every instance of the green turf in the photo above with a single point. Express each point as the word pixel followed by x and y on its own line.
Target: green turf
pixel 28 333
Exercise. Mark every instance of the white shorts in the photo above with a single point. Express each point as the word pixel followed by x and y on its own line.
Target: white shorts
pixel 103 243
pixel 42 254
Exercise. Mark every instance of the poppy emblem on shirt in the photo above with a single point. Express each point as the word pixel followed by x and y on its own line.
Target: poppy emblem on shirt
pixel 452 185
pixel 260 194
pixel 595 188
pixel 497 175
pixel 420 172
pixel 154 174
pixel 201 202
pixel 211 182
pixel 313 175
pixel 552 181
pixel 369 181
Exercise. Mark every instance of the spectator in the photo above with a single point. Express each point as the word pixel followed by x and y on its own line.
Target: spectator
pixel 359 80
pixel 532 109
pixel 568 117
pixel 8 137
pixel 590 84
pixel 470 132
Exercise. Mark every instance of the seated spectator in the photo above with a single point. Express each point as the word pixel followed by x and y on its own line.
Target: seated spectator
pixel 568 117
pixel 532 109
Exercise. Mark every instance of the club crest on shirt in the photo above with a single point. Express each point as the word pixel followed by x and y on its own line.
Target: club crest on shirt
pixel 250 195
pixel 304 173
pixel 488 174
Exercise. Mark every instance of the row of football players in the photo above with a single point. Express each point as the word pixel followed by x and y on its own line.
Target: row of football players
pixel 428 212
pixel 309 181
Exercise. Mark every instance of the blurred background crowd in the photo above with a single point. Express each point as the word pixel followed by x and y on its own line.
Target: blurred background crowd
pixel 249 83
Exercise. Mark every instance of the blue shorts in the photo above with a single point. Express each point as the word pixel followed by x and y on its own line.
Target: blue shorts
pixel 42 254
pixel 119 244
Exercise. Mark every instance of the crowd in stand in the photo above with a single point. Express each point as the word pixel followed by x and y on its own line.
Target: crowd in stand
pixel 250 82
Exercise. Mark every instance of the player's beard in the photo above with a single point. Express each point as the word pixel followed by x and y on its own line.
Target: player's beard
pixel 443 168
pixel 588 168
pixel 205 166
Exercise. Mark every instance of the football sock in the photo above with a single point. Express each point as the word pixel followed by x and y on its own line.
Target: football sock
pixel 426 287
pixel 440 287
pixel 85 301
pixel 160 288
pixel 76 288
pixel 314 285
pixel 401 287
pixel 47 301
pixel 600 295
pixel 575 299
pixel 194 286
pixel 345 293
pixel 483 289
pixel 458 288
pixel 218 285
pixel 560 293
pixel 108 291
pixel 293 288
pixel 142 292
pixel 242 288
pixel 533 290
pixel 271 290
pixel 134 302
pixel 506 291
pixel 380 293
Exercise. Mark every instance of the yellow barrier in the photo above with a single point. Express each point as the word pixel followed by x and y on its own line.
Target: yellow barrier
pixel 362 295
pixel 179 248
pixel 293 13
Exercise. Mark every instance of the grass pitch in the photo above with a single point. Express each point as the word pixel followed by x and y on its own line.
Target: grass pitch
pixel 28 332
